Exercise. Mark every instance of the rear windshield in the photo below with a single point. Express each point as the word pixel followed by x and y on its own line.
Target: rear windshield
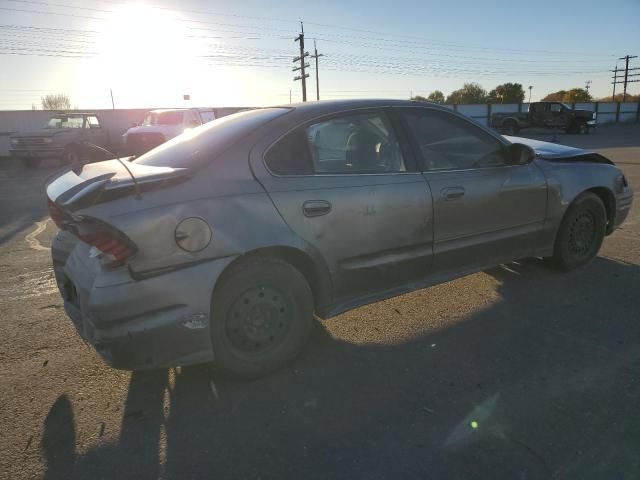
pixel 206 141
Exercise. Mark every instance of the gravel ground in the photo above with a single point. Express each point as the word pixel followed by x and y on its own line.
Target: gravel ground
pixel 519 372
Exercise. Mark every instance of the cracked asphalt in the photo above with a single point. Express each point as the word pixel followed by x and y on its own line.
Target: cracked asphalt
pixel 520 372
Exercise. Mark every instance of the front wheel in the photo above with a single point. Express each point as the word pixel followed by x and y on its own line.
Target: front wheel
pixel 583 128
pixel 261 316
pixel 581 233
pixel 71 156
pixel 510 128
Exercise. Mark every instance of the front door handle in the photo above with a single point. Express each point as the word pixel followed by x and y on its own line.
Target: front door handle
pixel 316 208
pixel 452 193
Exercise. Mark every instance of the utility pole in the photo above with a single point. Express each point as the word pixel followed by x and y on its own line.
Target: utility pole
pixel 587 85
pixel 626 80
pixel 316 55
pixel 615 80
pixel 303 76
pixel 113 105
pixel 530 88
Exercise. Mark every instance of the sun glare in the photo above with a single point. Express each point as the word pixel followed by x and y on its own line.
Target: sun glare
pixel 145 54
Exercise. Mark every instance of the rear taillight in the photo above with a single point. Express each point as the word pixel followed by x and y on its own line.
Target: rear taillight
pixel 113 248
pixel 55 213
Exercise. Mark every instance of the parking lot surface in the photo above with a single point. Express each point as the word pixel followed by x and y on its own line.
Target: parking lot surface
pixel 520 372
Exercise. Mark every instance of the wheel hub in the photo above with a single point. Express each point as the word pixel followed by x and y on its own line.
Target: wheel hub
pixel 582 234
pixel 258 320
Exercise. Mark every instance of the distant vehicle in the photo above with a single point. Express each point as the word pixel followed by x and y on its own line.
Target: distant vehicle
pixel 545 115
pixel 222 245
pixel 162 125
pixel 62 138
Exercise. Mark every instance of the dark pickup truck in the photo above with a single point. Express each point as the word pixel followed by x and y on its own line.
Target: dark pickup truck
pixel 545 115
pixel 63 138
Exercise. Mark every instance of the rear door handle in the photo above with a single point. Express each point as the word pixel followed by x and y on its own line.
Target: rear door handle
pixel 453 193
pixel 316 208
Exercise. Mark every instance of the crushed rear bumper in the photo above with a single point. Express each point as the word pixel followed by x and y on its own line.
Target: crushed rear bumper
pixel 158 322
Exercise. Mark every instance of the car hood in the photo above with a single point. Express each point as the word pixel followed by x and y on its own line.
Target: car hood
pixel 560 153
pixel 167 130
pixel 43 132
pixel 547 149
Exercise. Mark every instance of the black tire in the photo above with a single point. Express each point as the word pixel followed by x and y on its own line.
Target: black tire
pixel 582 128
pixel 581 233
pixel 261 317
pixel 31 162
pixel 71 155
pixel 510 127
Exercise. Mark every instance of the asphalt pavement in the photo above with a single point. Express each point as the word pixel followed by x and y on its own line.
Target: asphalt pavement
pixel 520 372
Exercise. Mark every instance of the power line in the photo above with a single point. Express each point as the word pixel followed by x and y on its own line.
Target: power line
pixel 419 40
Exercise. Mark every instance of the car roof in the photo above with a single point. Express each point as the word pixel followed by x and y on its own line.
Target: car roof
pixel 72 114
pixel 163 110
pixel 322 106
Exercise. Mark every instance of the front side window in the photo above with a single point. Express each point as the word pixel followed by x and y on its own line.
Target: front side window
pixel 447 142
pixel 92 122
pixel 349 144
pixel 163 118
pixel 555 107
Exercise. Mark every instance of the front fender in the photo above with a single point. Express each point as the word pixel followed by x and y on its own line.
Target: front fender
pixel 566 181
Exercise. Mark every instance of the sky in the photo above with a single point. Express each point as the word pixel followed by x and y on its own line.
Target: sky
pixel 151 53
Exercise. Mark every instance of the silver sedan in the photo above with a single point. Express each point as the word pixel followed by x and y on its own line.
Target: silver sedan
pixel 222 244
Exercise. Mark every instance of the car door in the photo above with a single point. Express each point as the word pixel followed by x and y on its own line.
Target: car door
pixel 347 186
pixel 486 209
pixel 93 131
pixel 559 115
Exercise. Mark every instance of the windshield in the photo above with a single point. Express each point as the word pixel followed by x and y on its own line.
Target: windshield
pixel 163 118
pixel 205 142
pixel 64 122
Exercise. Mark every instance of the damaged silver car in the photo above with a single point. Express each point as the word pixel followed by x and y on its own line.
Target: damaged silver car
pixel 222 244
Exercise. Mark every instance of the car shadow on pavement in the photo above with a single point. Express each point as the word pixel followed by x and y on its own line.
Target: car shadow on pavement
pixel 541 383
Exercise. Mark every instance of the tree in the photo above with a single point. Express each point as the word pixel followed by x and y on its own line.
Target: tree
pixel 469 93
pixel 58 101
pixel 577 95
pixel 436 96
pixel 618 98
pixel 555 96
pixel 569 96
pixel 507 93
pixel 419 98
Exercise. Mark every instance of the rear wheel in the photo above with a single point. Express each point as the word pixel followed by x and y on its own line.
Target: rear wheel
pixel 261 316
pixel 581 233
pixel 510 127
pixel 31 162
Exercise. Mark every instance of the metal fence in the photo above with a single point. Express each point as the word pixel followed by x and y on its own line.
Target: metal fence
pixel 606 112
pixel 118 121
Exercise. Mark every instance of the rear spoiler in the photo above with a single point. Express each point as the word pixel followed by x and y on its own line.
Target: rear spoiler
pixel 103 181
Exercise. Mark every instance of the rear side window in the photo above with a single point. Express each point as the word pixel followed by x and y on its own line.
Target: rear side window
pixel 349 144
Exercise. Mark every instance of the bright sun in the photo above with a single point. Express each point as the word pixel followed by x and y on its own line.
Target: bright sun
pixel 145 54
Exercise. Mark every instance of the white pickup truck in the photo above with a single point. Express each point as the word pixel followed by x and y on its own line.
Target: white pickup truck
pixel 162 125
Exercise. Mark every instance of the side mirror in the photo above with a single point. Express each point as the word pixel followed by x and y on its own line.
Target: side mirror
pixel 520 154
